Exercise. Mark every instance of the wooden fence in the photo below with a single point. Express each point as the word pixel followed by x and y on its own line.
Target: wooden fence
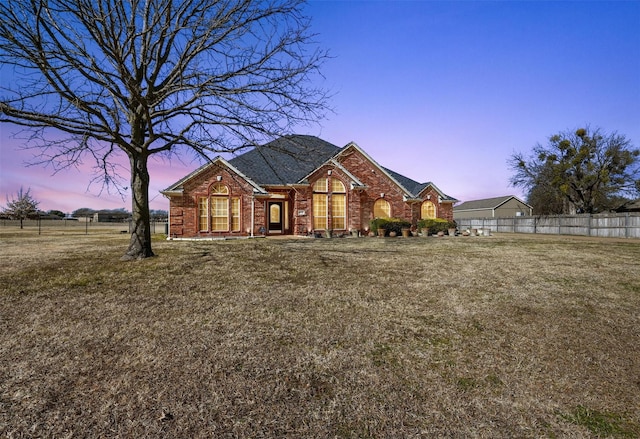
pixel 610 225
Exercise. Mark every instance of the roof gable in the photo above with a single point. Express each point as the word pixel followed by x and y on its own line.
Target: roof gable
pixel 177 187
pixel 399 180
pixel 285 160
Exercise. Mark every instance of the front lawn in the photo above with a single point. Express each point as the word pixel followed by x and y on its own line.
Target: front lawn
pixel 508 336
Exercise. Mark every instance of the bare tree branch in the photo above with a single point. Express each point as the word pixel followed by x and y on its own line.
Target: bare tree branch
pixel 149 76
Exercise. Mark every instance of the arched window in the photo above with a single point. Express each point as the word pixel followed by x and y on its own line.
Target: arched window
pixel 338 205
pixel 381 209
pixel 320 204
pixel 323 211
pixel 320 185
pixel 219 208
pixel 218 212
pixel 427 210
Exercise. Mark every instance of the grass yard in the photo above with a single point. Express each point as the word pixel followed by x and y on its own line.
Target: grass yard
pixel 511 336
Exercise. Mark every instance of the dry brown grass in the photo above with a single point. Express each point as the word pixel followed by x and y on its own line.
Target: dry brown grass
pixel 508 336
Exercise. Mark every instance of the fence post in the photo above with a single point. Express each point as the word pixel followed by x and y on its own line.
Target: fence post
pixel 559 224
pixel 626 225
pixel 589 225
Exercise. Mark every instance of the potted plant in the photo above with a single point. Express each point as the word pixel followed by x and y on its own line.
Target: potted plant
pixel 379 225
pixel 397 225
pixel 432 226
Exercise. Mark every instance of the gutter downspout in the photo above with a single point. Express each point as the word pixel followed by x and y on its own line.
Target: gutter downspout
pixel 168 218
pixel 253 212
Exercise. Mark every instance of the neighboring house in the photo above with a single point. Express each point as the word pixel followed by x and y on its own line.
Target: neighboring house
pixel 297 185
pixel 498 207
pixel 110 216
pixel 629 206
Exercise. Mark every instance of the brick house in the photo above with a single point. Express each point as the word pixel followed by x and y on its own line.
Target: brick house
pixel 297 185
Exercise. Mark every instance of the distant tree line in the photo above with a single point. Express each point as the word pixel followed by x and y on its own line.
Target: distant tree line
pixel 156 215
pixel 24 206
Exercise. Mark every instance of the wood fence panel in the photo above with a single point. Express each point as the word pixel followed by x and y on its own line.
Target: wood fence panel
pixel 610 225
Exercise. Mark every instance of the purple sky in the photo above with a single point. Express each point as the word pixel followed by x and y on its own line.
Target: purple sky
pixel 438 91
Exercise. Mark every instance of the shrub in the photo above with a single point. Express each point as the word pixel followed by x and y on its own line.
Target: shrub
pixel 389 225
pixel 378 223
pixel 396 225
pixel 436 225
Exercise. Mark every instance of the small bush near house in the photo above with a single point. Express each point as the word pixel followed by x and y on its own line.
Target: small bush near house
pixel 378 223
pixel 389 225
pixel 436 225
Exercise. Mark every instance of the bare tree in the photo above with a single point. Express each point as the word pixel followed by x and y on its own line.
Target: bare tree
pixel 148 77
pixel 22 206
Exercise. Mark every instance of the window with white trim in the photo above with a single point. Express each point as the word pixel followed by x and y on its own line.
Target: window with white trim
pixel 381 208
pixel 203 213
pixel 427 210
pixel 219 212
pixel 332 189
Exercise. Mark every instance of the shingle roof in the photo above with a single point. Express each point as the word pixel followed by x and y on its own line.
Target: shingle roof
pixel 289 159
pixel 414 187
pixel 285 160
pixel 630 206
pixel 487 203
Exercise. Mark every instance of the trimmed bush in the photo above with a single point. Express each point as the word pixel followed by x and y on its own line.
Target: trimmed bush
pixel 378 223
pixel 436 225
pixel 389 225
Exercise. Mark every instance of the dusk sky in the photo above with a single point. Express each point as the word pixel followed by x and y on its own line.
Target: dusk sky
pixel 438 91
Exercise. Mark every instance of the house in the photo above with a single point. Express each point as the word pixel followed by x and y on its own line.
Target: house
pixel 629 206
pixel 297 185
pixel 111 216
pixel 498 207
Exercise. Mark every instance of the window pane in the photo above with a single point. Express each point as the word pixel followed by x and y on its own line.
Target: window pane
pixel 319 211
pixel 320 185
pixel 337 186
pixel 381 209
pixel 202 214
pixel 219 214
pixel 427 210
pixel 219 188
pixel 274 212
pixel 338 211
pixel 235 214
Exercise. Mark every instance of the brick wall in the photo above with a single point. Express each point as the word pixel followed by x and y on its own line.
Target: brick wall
pixel 184 209
pixel 377 183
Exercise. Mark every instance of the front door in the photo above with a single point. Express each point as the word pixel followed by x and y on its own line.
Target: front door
pixel 275 216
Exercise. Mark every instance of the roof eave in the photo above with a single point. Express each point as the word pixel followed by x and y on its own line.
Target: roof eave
pixel 172 193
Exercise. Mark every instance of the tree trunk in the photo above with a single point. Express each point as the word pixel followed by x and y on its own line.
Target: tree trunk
pixel 140 244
